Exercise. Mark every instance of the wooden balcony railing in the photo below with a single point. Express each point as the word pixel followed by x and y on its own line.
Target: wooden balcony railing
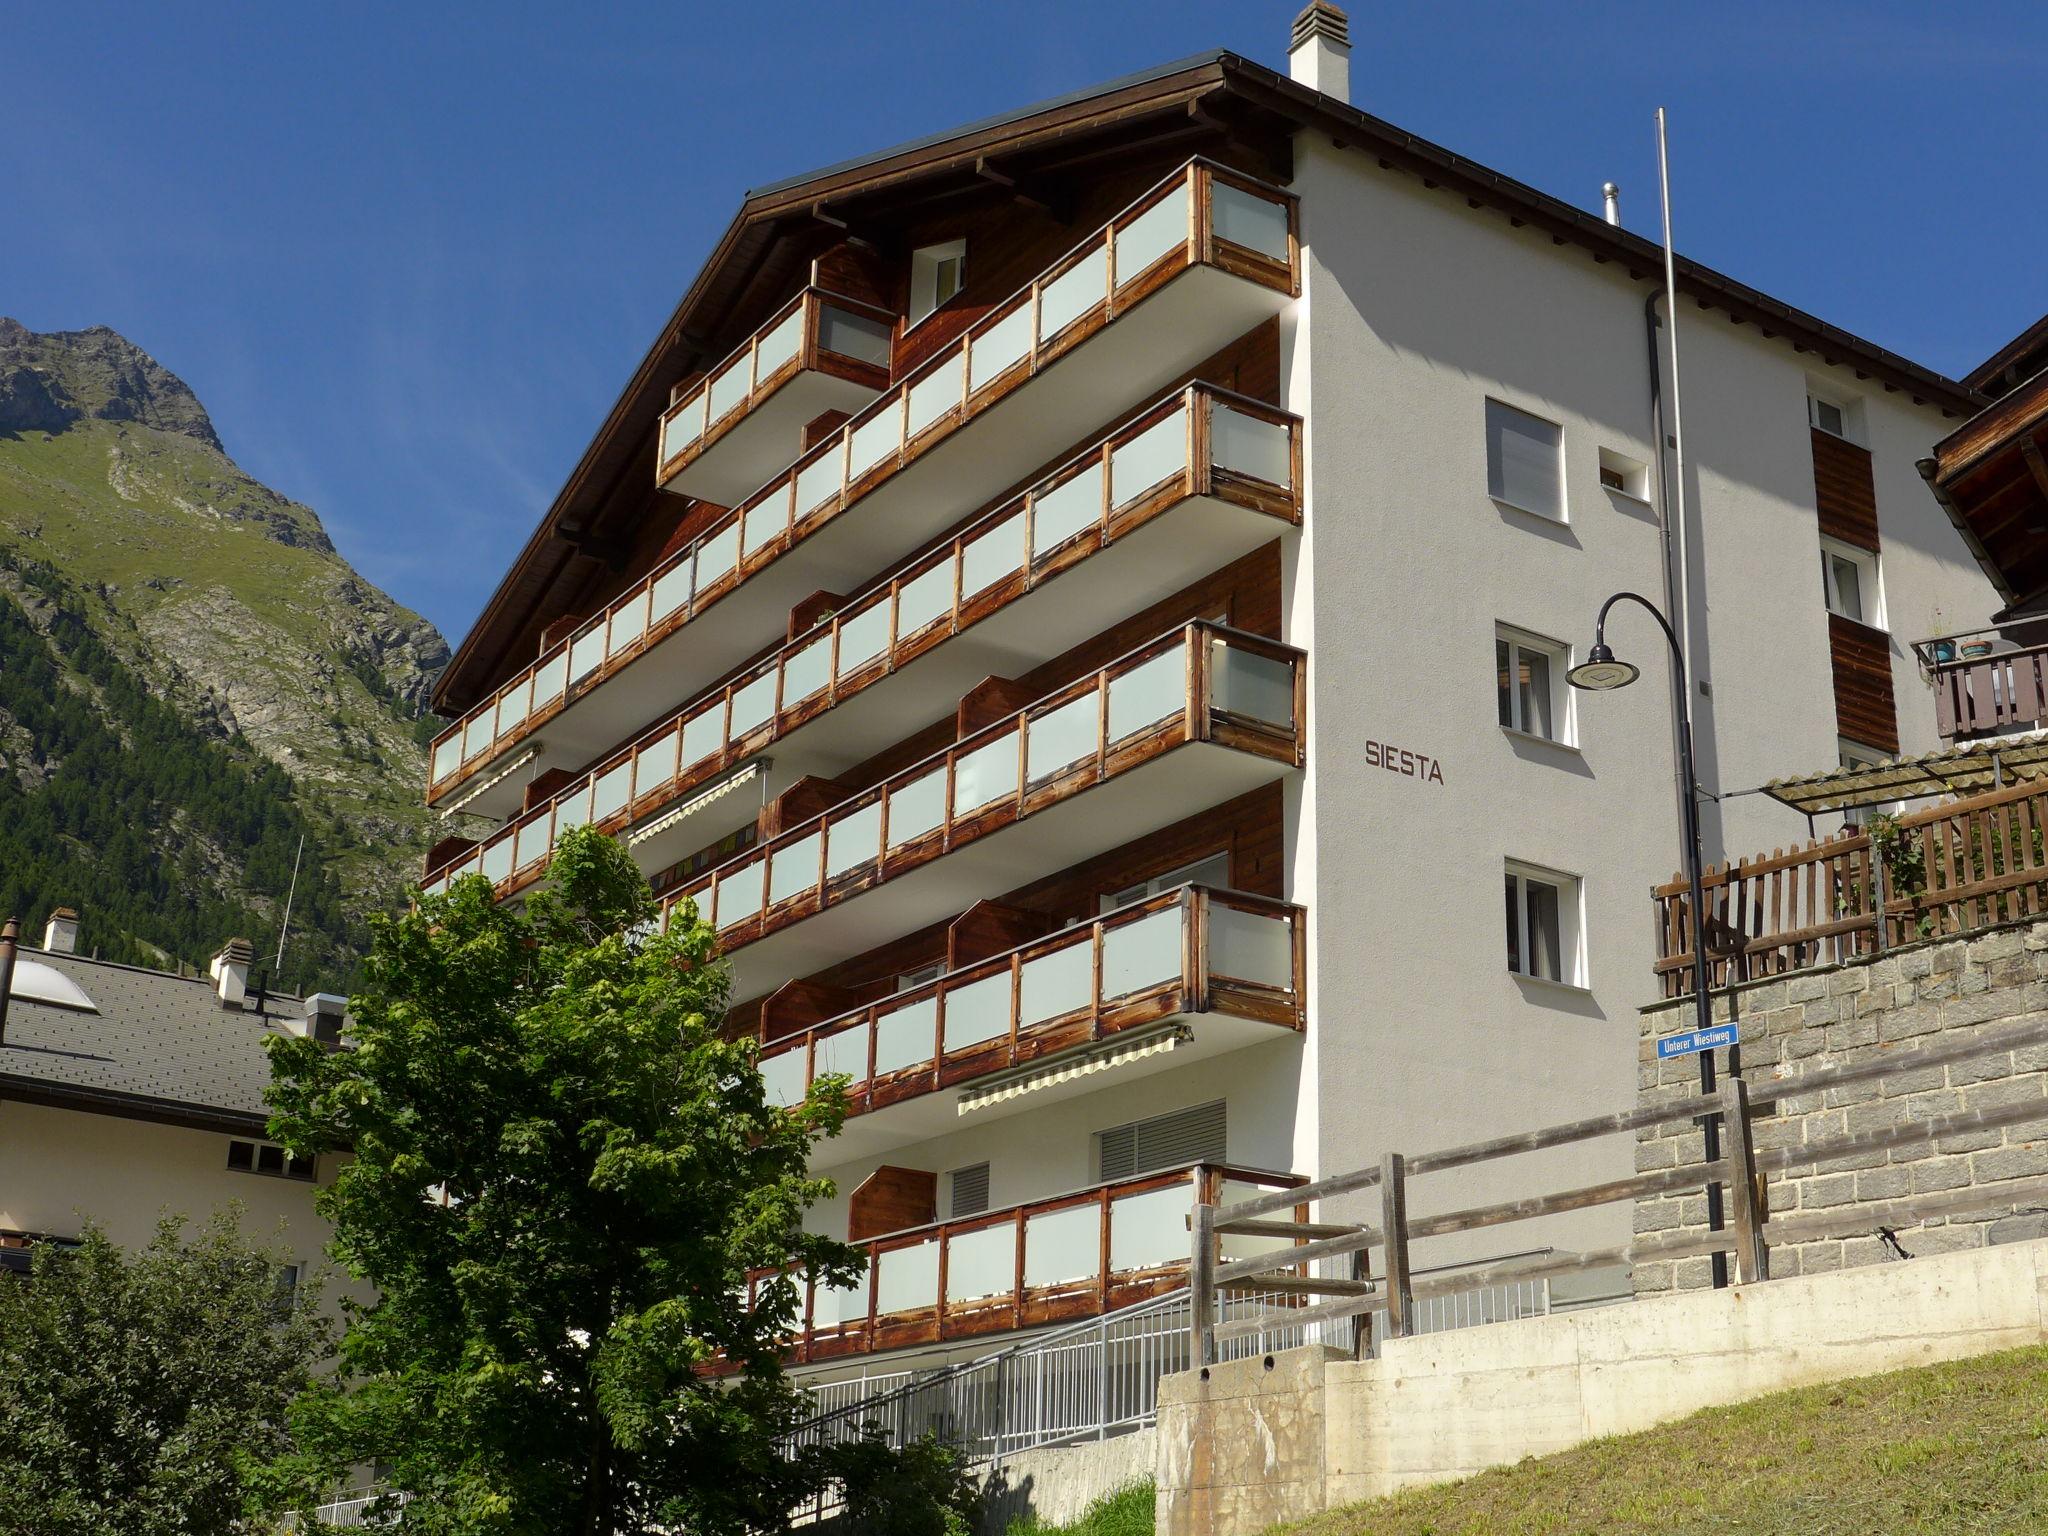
pixel 1201 215
pixel 1971 863
pixel 1050 1261
pixel 1205 682
pixel 1191 950
pixel 1986 694
pixel 1201 442
pixel 816 332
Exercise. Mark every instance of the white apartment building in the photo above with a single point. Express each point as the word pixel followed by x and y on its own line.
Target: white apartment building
pixel 1082 602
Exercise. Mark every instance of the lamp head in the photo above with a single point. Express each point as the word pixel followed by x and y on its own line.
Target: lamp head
pixel 1600 671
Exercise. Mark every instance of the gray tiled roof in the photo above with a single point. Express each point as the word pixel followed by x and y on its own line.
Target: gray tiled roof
pixel 163 1041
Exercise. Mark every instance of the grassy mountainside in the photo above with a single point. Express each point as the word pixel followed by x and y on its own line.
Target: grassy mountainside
pixel 193 677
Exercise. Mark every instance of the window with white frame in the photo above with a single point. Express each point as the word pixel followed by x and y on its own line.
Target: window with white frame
pixel 1849 580
pixel 936 274
pixel 1212 871
pixel 1856 756
pixel 1529 679
pixel 1524 461
pixel 1828 415
pixel 1543 925
pixel 1619 472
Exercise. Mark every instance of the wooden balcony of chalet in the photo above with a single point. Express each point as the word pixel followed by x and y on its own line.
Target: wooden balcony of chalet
pixel 1183 723
pixel 1178 491
pixel 1180 977
pixel 1189 267
pixel 1985 684
pixel 1055 1260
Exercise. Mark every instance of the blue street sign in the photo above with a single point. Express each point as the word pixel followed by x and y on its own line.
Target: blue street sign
pixel 1694 1040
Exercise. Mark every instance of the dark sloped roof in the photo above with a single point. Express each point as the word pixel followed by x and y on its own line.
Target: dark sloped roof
pixel 161 1047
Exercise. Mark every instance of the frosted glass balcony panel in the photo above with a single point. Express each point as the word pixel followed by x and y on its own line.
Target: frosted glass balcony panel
pixel 907 1279
pixel 981 1263
pixel 936 393
pixel 1062 737
pixel 991 556
pixel 1072 294
pixel 985 775
pixel 1159 229
pixel 863 636
pixel 853 840
pixel 1142 954
pixel 1147 694
pixel 793 870
pixel 1250 947
pixel 671 590
pixel 551 681
pixel 834 1308
pixel 763 523
pixel 729 390
pixel 739 894
pixel 628 624
pixel 924 598
pixel 782 1078
pixel 532 840
pixel 1249 446
pixel 819 480
pixel 586 653
pixel 514 705
pixel 978 1011
pixel 718 554
pixel 1149 1230
pixel 478 732
pixel 682 429
pixel 807 671
pixel 999 348
pixel 656 762
pixel 703 734
pixel 1055 984
pixel 860 337
pixel 572 811
pixel 874 440
pixel 753 705
pixel 614 789
pixel 917 807
pixel 1252 222
pixel 447 756
pixel 904 1036
pixel 497 861
pixel 1232 1191
pixel 844 1054
pixel 1063 1246
pixel 1256 687
pixel 1065 510
pixel 779 346
pixel 1158 452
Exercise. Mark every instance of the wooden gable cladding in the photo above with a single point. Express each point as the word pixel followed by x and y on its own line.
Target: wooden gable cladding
pixel 797 1005
pixel 889 1200
pixel 1844 491
pixel 1864 708
pixel 990 928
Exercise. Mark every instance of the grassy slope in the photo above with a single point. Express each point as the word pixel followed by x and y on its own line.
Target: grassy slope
pixel 1128 1513
pixel 1937 1451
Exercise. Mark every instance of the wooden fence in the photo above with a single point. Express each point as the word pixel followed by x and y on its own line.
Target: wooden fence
pixel 1286 1270
pixel 1968 864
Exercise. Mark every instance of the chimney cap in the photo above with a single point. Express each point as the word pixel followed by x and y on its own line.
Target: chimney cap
pixel 1324 19
pixel 325 1002
pixel 63 914
pixel 236 952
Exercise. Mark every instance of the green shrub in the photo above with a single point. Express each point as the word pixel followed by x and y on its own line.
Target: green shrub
pixel 924 1489
pixel 1127 1512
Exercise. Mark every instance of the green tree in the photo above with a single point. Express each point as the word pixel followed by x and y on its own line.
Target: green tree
pixel 141 1393
pixel 563 1176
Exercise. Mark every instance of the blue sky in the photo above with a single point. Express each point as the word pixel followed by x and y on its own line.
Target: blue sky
pixel 408 254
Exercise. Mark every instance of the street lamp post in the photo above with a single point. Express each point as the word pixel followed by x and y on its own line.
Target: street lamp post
pixel 1602 672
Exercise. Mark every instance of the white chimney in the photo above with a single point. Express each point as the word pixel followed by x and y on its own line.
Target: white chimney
pixel 230 971
pixel 60 933
pixel 1320 54
pixel 324 1011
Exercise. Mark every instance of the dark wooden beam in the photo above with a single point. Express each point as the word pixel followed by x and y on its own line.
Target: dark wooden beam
pixel 1056 203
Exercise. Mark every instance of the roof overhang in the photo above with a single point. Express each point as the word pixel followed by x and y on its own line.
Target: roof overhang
pixel 1991 476
pixel 1960 770
pixel 131 1106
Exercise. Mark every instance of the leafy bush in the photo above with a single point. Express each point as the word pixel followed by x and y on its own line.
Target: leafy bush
pixel 924 1489
pixel 1127 1512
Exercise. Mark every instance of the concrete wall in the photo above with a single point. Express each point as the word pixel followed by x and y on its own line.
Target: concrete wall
pixel 1259 1440
pixel 1851 1013
pixel 1056 1486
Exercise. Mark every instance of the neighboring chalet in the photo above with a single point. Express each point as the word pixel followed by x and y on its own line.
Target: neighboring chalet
pixel 1082 603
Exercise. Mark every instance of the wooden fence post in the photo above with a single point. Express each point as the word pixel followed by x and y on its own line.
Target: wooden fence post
pixel 1751 1251
pixel 1202 1276
pixel 1394 1226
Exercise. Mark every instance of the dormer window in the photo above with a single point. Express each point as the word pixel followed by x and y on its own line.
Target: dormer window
pixel 936 273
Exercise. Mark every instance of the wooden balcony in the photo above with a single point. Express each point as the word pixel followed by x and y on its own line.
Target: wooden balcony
pixel 1185 270
pixel 1183 723
pixel 1229 966
pixel 1051 1261
pixel 739 424
pixel 1982 691
pixel 1180 490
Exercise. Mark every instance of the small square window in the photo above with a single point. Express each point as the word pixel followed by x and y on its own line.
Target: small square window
pixel 1849 583
pixel 1828 416
pixel 936 274
pixel 242 1156
pixel 1524 461
pixel 1619 472
pixel 1542 910
pixel 1529 685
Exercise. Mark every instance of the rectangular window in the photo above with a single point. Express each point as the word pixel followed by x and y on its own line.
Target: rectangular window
pixel 1195 1135
pixel 1849 581
pixel 1543 924
pixel 1524 461
pixel 907 980
pixel 1529 680
pixel 969 1187
pixel 1212 871
pixel 1854 755
pixel 936 274
pixel 1828 416
pixel 262 1157
pixel 1619 472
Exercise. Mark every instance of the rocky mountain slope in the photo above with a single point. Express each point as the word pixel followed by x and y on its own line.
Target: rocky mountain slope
pixel 145 568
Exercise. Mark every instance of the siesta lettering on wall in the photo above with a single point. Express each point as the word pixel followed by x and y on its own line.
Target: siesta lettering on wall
pixel 1413 765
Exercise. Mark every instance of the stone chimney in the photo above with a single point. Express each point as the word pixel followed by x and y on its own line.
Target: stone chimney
pixel 1320 54
pixel 324 1012
pixel 230 971
pixel 60 933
